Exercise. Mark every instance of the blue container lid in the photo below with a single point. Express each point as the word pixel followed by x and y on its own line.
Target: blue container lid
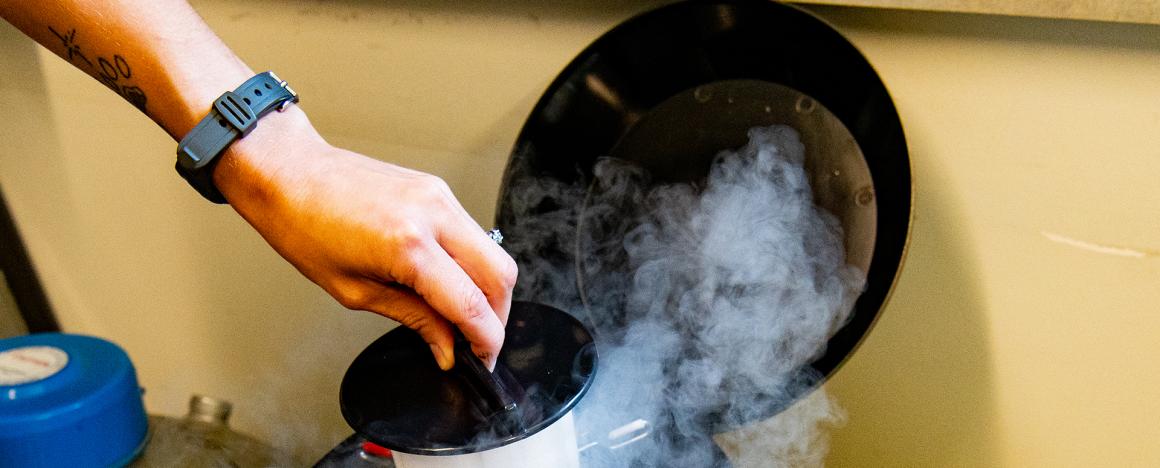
pixel 60 391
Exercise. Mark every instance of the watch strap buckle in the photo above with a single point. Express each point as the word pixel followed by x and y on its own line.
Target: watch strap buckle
pixel 235 110
pixel 233 115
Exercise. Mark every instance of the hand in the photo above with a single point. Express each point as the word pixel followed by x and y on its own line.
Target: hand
pixel 376 236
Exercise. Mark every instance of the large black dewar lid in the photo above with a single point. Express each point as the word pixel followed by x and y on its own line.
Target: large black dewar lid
pixel 672 87
pixel 395 395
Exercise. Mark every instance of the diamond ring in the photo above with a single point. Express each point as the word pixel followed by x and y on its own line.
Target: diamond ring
pixel 496 236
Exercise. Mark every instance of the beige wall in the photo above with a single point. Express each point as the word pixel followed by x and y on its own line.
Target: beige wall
pixel 1021 332
pixel 1127 11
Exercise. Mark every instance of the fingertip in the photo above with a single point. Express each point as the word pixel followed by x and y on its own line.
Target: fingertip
pixel 442 342
pixel 484 328
pixel 443 358
pixel 488 358
pixel 436 331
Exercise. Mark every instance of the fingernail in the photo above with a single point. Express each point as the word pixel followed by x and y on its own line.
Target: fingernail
pixel 487 361
pixel 442 358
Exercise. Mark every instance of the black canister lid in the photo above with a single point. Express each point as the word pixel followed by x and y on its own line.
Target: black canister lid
pixel 395 395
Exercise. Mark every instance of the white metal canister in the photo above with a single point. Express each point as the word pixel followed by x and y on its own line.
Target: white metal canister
pixel 554 447
pixel 520 415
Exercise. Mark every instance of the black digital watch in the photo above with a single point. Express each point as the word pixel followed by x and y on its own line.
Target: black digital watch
pixel 233 116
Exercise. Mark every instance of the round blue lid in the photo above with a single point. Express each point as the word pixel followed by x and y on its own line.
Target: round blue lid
pixel 53 380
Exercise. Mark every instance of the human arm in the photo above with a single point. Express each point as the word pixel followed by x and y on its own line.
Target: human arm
pixel 375 236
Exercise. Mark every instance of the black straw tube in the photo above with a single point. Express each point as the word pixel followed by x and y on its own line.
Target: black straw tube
pixel 487 384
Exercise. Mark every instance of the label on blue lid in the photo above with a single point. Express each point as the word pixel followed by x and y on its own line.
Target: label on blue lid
pixel 31 364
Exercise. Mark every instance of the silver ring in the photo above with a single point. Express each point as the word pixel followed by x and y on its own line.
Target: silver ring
pixel 496 236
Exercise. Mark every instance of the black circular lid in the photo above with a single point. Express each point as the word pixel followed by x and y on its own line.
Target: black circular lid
pixel 395 395
pixel 616 98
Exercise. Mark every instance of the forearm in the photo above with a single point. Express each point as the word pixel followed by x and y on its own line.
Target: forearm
pixel 157 54
pixel 376 236
pixel 161 57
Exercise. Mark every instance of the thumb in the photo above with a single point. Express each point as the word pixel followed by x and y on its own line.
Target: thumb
pixel 413 312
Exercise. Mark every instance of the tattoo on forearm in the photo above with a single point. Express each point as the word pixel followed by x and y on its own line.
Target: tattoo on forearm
pixel 113 73
pixel 70 44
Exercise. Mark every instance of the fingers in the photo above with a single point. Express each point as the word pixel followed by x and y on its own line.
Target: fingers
pixel 488 265
pixel 448 289
pixel 412 311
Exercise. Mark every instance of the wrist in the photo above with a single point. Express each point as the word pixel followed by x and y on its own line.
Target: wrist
pixel 255 168
pixel 194 97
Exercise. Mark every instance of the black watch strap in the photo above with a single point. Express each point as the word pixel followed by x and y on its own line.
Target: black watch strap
pixel 233 116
